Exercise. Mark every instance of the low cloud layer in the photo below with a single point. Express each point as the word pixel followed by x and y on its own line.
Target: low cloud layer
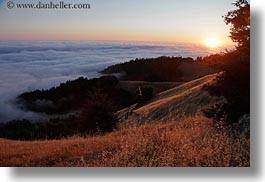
pixel 29 65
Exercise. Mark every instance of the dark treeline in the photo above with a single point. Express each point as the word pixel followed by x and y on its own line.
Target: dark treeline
pixel 95 102
pixel 96 116
pixel 71 96
pixel 28 130
pixel 152 69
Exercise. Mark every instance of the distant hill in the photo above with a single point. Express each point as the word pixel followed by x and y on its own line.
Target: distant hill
pixel 161 69
pixel 72 95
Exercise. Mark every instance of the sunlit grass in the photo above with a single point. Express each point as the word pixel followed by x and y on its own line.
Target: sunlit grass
pixel 193 141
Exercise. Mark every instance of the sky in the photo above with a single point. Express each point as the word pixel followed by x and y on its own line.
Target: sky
pixel 191 21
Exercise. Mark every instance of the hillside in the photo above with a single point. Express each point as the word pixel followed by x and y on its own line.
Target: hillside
pixel 70 96
pixel 148 112
pixel 186 142
pixel 133 86
pixel 185 100
pixel 168 131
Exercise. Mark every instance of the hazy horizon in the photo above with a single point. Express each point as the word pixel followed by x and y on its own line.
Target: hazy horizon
pixel 120 20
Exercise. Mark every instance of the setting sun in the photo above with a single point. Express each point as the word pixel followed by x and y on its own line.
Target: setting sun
pixel 212 42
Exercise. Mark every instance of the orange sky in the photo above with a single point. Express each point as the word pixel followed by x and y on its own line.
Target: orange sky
pixel 140 20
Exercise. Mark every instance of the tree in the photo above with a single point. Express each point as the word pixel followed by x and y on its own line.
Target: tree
pixel 97 114
pixel 239 20
pixel 234 82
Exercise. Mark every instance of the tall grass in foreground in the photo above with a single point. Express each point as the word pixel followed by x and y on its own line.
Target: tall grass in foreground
pixel 190 142
pixel 193 141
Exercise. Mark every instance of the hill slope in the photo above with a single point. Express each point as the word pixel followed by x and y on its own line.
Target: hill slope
pixel 168 131
pixel 133 86
pixel 184 100
pixel 187 142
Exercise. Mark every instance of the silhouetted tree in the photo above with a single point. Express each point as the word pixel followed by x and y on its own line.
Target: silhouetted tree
pixel 239 20
pixel 97 114
pixel 234 82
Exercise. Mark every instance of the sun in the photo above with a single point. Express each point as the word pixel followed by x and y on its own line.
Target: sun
pixel 212 42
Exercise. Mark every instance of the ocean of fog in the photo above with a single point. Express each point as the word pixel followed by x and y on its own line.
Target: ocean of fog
pixel 29 65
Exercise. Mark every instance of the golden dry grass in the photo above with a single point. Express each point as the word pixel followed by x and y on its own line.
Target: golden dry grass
pixel 187 99
pixel 193 141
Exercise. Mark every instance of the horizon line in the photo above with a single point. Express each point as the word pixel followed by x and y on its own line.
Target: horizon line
pixel 125 41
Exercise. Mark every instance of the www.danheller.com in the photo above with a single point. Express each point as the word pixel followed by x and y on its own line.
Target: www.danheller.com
pixel 50 5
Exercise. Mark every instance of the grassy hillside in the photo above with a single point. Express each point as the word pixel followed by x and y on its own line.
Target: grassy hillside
pixel 168 131
pixel 185 100
pixel 195 141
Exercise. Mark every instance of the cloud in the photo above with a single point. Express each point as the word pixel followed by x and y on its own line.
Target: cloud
pixel 29 65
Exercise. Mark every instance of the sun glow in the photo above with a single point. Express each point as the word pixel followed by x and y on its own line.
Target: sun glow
pixel 212 42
